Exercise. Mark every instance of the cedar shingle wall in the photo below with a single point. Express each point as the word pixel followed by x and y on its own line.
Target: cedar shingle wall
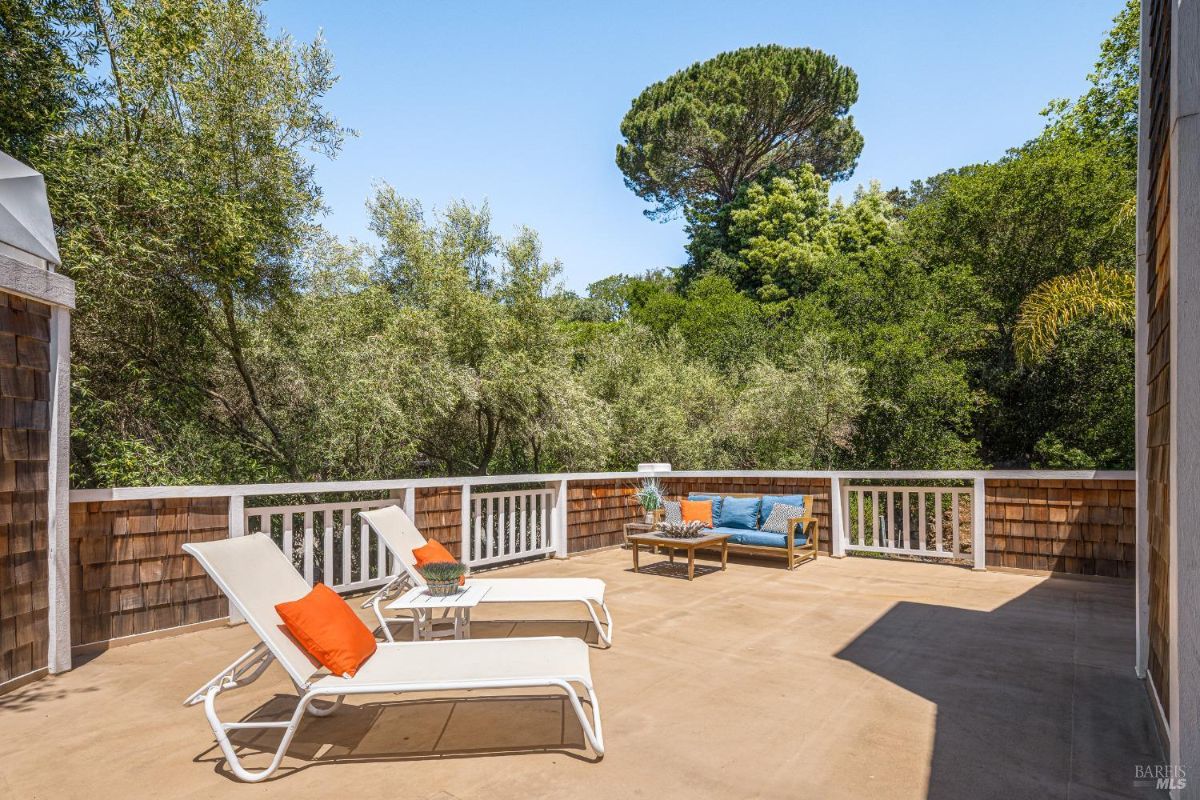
pixel 1074 527
pixel 597 512
pixel 1158 341
pixel 439 516
pixel 24 471
pixel 129 574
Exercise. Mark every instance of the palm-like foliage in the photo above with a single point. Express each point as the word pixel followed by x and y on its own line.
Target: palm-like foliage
pixel 1056 303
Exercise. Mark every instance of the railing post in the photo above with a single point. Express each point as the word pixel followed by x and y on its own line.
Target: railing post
pixel 468 522
pixel 237 527
pixel 838 513
pixel 58 512
pixel 978 525
pixel 561 543
pixel 410 503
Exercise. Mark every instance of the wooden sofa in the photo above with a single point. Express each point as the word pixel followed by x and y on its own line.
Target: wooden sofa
pixel 794 554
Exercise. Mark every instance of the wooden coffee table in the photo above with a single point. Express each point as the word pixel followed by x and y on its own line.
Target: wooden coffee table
pixel 671 544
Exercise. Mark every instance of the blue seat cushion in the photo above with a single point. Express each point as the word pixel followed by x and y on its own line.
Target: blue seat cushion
pixel 739 512
pixel 716 501
pixel 759 538
pixel 769 501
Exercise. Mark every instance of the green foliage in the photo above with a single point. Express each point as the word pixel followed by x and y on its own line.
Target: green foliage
pixel 913 333
pixel 695 139
pixel 183 198
pixel 649 494
pixel 1053 305
pixel 1082 399
pixel 442 571
pixel 1107 113
pixel 514 403
pixel 780 233
pixel 39 74
pixel 1035 229
pixel 222 336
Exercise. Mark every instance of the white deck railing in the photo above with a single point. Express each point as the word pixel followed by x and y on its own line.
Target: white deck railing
pixel 507 526
pixel 327 542
pixel 929 521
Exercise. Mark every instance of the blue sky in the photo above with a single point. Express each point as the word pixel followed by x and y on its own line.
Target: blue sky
pixel 519 103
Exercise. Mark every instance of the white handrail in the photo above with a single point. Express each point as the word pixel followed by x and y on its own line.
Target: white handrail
pixel 321 487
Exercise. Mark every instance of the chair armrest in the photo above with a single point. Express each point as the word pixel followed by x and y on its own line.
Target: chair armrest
pixel 809 527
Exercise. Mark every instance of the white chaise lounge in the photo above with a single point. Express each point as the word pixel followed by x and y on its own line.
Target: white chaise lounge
pixel 401 537
pixel 255 575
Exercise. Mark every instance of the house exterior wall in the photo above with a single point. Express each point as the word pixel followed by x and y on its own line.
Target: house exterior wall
pixel 24 478
pixel 1169 390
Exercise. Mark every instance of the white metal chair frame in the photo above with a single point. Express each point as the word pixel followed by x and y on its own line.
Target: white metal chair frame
pixel 410 577
pixel 317 684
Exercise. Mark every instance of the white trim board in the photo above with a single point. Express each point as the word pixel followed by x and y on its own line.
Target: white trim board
pixel 35 283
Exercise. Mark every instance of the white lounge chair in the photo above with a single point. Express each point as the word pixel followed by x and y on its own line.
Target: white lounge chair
pixel 401 537
pixel 255 575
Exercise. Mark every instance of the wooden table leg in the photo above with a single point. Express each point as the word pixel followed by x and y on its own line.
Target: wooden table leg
pixel 671 554
pixel 724 553
pixel 636 548
pixel 691 563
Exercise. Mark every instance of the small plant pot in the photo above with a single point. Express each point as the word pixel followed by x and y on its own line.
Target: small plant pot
pixel 650 517
pixel 443 588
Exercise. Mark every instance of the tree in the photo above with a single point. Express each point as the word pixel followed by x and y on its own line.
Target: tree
pixel 1034 229
pixel 40 73
pixel 183 198
pixel 913 334
pixel 514 404
pixel 695 139
pixel 1107 113
pixel 779 235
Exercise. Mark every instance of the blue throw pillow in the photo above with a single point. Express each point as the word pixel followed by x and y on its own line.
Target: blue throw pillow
pixel 769 501
pixel 716 501
pixel 739 512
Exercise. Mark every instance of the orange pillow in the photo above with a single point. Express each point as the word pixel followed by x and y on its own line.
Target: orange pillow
pixel 697 511
pixel 433 552
pixel 325 625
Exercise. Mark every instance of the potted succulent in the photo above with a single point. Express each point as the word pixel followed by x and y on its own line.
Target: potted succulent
pixel 650 497
pixel 443 578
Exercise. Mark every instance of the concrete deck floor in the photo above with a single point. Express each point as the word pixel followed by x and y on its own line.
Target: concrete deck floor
pixel 846 678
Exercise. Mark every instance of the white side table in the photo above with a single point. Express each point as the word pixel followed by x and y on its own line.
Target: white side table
pixel 456 609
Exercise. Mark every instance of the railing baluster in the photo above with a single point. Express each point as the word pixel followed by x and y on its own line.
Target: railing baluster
pixel 937 512
pixel 470 548
pixel 956 542
pixel 347 546
pixel 289 546
pixel 875 521
pixel 906 529
pixel 486 544
pixel 327 575
pixel 506 549
pixel 921 520
pixel 364 550
pixel 522 512
pixel 308 547
pixel 543 538
pixel 860 497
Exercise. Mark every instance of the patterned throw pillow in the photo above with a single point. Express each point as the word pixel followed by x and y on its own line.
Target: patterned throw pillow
pixel 780 514
pixel 672 513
